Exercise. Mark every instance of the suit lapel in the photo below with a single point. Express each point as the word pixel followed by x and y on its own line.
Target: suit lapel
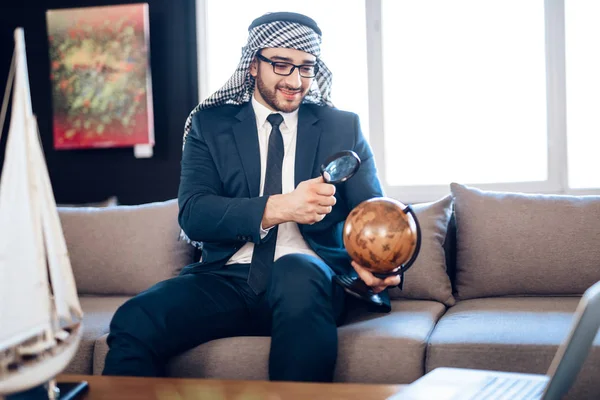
pixel 246 140
pixel 307 142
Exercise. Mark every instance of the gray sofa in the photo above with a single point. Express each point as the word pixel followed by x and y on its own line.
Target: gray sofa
pixel 495 287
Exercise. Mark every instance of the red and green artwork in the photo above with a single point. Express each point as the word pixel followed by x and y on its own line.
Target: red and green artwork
pixel 100 74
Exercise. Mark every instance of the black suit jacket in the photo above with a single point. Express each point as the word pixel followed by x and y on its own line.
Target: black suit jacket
pixel 219 202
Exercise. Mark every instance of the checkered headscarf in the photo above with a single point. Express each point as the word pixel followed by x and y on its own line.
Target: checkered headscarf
pixel 240 87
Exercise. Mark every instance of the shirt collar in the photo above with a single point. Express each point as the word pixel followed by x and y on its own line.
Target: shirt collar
pixel 261 112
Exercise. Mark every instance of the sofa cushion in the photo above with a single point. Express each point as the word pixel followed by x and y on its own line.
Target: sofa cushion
pixel 510 334
pixel 123 250
pixel 521 244
pixel 374 348
pixel 427 278
pixel 97 314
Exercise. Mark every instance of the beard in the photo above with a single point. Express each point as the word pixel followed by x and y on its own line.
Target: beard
pixel 280 104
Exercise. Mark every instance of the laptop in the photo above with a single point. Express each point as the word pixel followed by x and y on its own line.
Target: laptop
pixel 472 384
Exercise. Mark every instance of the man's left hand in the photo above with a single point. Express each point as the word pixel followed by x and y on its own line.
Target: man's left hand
pixel 376 284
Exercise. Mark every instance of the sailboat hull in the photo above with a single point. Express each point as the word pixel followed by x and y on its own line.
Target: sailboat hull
pixel 39 372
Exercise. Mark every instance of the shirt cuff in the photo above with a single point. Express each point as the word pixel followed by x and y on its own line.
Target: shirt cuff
pixel 264 232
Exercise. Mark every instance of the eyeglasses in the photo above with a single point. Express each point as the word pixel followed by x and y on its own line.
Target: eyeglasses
pixel 286 69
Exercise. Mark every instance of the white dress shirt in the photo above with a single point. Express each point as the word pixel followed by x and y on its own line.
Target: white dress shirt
pixel 289 238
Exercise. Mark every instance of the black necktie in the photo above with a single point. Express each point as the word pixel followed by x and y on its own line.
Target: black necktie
pixel 264 252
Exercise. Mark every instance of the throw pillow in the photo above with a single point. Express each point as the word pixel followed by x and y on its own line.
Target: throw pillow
pixel 427 279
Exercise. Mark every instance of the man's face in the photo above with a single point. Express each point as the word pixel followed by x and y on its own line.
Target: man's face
pixel 281 93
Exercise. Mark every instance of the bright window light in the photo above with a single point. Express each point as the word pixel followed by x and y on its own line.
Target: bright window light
pixel 582 41
pixel 464 85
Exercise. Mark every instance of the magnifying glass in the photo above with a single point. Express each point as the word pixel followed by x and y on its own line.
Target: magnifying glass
pixel 340 166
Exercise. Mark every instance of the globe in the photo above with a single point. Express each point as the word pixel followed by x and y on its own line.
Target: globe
pixel 379 235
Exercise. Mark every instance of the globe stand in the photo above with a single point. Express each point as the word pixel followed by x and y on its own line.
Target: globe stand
pixel 356 287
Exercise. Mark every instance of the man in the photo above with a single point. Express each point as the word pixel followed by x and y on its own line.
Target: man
pixel 269 228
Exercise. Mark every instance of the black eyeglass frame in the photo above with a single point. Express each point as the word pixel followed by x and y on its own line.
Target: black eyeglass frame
pixel 294 66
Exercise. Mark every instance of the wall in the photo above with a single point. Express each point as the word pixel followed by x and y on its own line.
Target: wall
pixel 80 176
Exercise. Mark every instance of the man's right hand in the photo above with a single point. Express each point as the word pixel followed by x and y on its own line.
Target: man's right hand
pixel 307 204
pixel 311 201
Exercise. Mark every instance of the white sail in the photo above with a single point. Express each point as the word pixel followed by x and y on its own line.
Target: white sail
pixel 25 308
pixel 66 300
pixel 40 314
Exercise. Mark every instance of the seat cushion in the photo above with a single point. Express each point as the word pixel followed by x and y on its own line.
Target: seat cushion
pixel 97 313
pixel 387 348
pixel 375 348
pixel 510 334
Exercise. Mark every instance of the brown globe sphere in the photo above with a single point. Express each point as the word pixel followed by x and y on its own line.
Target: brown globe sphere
pixel 379 235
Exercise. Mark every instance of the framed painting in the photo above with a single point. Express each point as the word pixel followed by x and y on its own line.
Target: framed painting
pixel 101 78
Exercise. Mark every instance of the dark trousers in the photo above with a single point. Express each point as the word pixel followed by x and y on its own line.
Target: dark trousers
pixel 300 309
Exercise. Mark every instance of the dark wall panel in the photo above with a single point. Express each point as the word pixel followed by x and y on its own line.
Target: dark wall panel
pixel 80 176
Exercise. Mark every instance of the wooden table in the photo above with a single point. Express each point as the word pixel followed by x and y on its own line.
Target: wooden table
pixel 129 388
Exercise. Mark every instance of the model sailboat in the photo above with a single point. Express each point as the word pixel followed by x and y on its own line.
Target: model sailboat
pixel 40 314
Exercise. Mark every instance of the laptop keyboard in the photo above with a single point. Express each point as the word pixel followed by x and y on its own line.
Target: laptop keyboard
pixel 508 388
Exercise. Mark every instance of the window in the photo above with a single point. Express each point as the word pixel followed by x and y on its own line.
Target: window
pixel 582 38
pixel 464 97
pixel 226 32
pixel 498 94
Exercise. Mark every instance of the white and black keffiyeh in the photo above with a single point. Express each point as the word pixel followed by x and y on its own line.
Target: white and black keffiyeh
pixel 240 87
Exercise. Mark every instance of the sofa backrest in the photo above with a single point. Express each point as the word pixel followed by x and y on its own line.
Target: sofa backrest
pixel 475 244
pixel 524 244
pixel 123 250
